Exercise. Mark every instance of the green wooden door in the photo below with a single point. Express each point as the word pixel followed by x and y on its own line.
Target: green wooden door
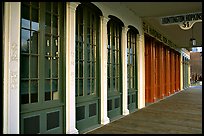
pixel 132 69
pixel 114 72
pixel 87 67
pixel 41 68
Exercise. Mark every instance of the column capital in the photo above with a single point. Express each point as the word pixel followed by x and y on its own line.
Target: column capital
pixel 104 19
pixel 72 5
pixel 125 29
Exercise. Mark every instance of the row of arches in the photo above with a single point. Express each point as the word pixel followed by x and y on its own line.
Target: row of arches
pixel 87 85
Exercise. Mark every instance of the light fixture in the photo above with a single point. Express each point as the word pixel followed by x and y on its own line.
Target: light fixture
pixel 192 40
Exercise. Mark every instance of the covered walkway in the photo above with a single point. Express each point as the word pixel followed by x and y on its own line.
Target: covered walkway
pixel 180 113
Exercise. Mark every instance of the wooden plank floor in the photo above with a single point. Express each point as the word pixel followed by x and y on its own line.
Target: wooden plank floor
pixel 180 113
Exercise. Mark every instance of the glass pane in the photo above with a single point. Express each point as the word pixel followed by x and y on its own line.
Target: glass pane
pixel 47 90
pixel 55 7
pixel 47 68
pixel 76 69
pixel 109 54
pixel 108 83
pixel 76 51
pixel 81 69
pixel 24 92
pixel 76 87
pixel 81 55
pixel 48 23
pixel 88 53
pixel 113 83
pixel 25 23
pixel 48 6
pixel 80 87
pixel 94 37
pixel 108 69
pixel 128 71
pixel 117 70
pixel 88 87
pixel 34 91
pixel 55 24
pixel 93 69
pixel 35 24
pixel 131 59
pixel 35 4
pixel 81 33
pixel 127 58
pixel 25 15
pixel 127 83
pixel 114 70
pixel 93 53
pixel 55 68
pixel 24 70
pixel 88 36
pixel 34 42
pixel 93 85
pixel 25 40
pixel 114 57
pixel 55 89
pixel 89 69
pixel 113 43
pixel 34 67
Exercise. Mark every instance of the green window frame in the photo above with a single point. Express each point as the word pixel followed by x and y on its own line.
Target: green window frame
pixel 32 48
pixel 114 56
pixel 131 60
pixel 41 67
pixel 86 49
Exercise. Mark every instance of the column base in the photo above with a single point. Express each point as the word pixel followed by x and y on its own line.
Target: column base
pixel 126 112
pixel 72 131
pixel 105 121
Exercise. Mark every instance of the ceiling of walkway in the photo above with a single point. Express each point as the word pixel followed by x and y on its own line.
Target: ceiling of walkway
pixel 152 12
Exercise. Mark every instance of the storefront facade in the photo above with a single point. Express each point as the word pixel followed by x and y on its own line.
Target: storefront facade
pixel 71 67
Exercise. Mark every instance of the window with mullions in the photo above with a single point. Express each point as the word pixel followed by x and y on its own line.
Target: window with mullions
pixel 131 59
pixel 32 49
pixel 114 56
pixel 29 56
pixel 86 48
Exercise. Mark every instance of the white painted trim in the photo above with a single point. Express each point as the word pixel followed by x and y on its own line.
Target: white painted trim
pixel 141 70
pixel 103 61
pixel 181 72
pixel 125 110
pixel 11 52
pixel 70 68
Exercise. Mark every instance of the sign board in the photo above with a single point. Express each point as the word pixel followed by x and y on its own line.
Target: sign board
pixel 185 21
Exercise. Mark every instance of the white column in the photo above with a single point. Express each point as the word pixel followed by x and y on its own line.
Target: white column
pixel 103 68
pixel 125 110
pixel 181 71
pixel 189 74
pixel 141 70
pixel 11 66
pixel 70 68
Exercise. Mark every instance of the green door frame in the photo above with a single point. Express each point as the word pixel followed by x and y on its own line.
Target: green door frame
pixel 41 68
pixel 87 67
pixel 132 69
pixel 114 68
